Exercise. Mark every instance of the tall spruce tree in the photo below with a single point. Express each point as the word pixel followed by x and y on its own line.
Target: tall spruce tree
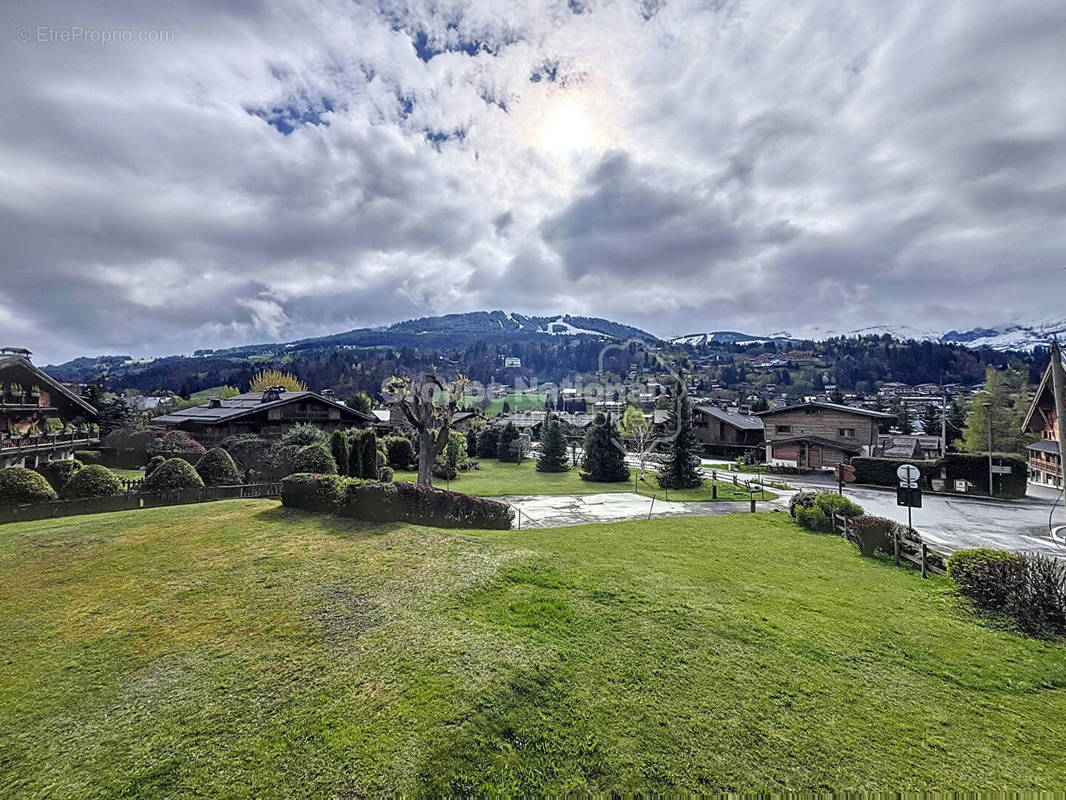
pixel 930 419
pixel 552 447
pixel 605 458
pixel 681 467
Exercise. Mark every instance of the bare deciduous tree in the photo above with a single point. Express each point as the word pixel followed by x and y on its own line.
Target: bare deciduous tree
pixel 428 403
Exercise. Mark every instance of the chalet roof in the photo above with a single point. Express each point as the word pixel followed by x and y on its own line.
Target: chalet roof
pixel 43 379
pixel 242 405
pixel 744 422
pixel 846 447
pixel 1044 446
pixel 1043 389
pixel 864 412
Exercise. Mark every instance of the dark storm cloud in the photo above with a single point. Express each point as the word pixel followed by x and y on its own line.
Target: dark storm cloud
pixel 266 173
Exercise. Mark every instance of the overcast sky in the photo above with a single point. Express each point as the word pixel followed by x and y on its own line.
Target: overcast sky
pixel 258 171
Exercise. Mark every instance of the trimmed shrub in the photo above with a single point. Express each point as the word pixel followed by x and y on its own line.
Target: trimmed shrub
pixel 314 458
pixel 282 459
pixel 89 456
pixel 153 464
pixel 811 518
pixel 368 454
pixel 251 454
pixel 801 500
pixel 19 485
pixel 424 505
pixel 174 473
pixel 882 471
pixel 973 467
pixel 216 468
pixel 400 451
pixel 338 447
pixel 313 492
pixel 58 473
pixel 870 534
pixel 176 442
pixel 989 578
pixel 385 474
pixel 92 481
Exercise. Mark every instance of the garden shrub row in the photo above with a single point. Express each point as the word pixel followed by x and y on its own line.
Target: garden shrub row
pixel 814 510
pixel 375 501
pixel 1029 589
pixel 971 467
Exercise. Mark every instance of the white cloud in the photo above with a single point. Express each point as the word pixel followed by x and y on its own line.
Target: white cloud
pixel 677 165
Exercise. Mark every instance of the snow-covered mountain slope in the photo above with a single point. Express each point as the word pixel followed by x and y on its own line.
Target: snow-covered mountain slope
pixel 1014 336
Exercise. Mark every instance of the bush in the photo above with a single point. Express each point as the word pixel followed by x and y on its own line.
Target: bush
pixel 487 442
pixel 801 500
pixel 971 467
pixel 368 454
pixel 20 485
pixel 92 481
pixel 304 434
pixel 216 468
pixel 989 578
pixel 251 454
pixel 400 451
pixel 153 464
pixel 88 456
pixel 882 471
pixel 385 474
pixel 174 473
pixel 871 534
pixel 176 442
pixel 313 492
pixel 818 516
pixel 507 443
pixel 1039 602
pixel 424 505
pixel 314 458
pixel 282 459
pixel 58 473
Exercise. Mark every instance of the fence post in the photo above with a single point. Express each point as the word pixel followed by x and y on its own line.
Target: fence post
pixel 753 503
pixel 924 553
pixel 652 504
pixel 519 519
pixel 895 545
pixel 714 490
pixel 734 479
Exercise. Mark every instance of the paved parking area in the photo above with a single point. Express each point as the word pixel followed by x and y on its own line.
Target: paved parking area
pixel 557 511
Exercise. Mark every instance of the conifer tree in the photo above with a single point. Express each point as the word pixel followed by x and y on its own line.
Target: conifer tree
pixel 681 467
pixel 505 446
pixel 338 445
pixel 552 447
pixel 604 459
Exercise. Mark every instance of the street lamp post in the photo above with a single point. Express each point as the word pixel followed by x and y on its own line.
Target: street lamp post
pixel 988 412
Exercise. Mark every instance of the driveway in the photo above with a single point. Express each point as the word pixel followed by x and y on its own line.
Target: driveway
pixel 951 522
pixel 563 510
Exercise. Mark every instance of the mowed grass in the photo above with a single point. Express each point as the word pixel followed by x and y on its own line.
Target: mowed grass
pixel 500 479
pixel 241 649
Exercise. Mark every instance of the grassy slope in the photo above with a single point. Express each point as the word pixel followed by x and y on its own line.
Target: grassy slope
pixel 497 479
pixel 250 649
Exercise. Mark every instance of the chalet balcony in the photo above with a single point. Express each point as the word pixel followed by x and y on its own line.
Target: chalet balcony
pixel 43 442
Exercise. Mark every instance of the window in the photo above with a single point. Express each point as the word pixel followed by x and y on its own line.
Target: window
pixel 846 433
pixel 784 429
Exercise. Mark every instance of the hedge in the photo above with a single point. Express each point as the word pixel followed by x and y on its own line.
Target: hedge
pixel 1030 589
pixel 972 467
pixel 216 468
pixel 870 533
pixel 19 485
pixel 92 481
pixel 818 515
pixel 174 473
pixel 313 492
pixel 89 456
pixel 400 451
pixel 58 473
pixel 394 502
pixel 423 505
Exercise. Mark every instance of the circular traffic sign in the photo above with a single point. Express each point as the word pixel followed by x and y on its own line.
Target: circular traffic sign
pixel 908 473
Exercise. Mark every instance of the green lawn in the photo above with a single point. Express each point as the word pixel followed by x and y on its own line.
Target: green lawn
pixel 516 401
pixel 498 479
pixel 128 474
pixel 246 650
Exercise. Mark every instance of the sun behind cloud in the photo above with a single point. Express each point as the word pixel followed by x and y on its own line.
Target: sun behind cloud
pixel 567 129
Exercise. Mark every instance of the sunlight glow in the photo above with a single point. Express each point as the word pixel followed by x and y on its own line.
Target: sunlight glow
pixel 567 129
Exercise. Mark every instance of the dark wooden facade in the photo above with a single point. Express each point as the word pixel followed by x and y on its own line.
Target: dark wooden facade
pixel 820 435
pixel 1045 461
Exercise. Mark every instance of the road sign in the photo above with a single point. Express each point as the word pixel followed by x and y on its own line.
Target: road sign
pixel 1000 470
pixel 908 473
pixel 909 496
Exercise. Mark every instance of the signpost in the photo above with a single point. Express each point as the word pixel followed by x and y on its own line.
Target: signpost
pixel 845 473
pixel 908 494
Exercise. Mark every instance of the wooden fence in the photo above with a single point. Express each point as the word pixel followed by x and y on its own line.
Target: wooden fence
pixel 135 500
pixel 913 552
